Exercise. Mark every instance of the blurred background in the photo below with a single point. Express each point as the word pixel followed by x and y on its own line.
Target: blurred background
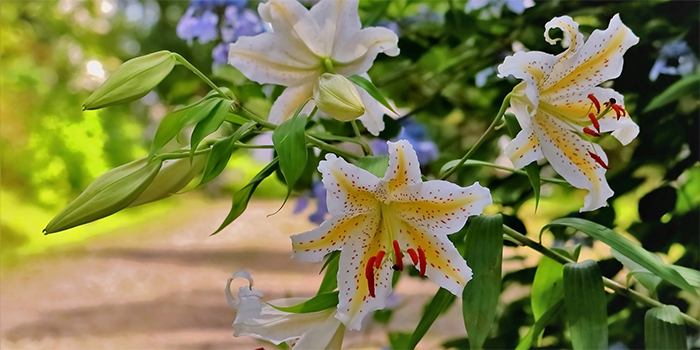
pixel 151 277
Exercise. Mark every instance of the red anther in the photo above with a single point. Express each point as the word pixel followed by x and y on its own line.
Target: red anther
pixel 594 120
pixel 619 111
pixel 595 102
pixel 369 274
pixel 422 261
pixel 598 160
pixel 380 256
pixel 414 256
pixel 398 262
pixel 590 132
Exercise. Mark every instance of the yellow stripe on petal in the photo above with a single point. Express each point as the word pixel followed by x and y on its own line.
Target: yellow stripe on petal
pixel 569 156
pixel 331 235
pixel 404 168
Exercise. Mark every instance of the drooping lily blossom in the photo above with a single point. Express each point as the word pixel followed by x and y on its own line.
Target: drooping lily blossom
pixel 257 319
pixel 556 98
pixel 379 223
pixel 328 38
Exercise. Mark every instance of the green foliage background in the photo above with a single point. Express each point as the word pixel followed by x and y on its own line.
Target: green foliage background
pixel 50 150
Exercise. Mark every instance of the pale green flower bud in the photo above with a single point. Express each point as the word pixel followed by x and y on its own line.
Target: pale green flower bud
pixel 336 96
pixel 173 176
pixel 108 194
pixel 132 80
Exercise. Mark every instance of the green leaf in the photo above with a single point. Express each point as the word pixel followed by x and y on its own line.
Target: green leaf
pixel 399 340
pixel 375 165
pixel 625 247
pixel 484 253
pixel 108 194
pixel 532 169
pixel 330 279
pixel 132 80
pixel 289 140
pixel 440 302
pixel 547 286
pixel 210 123
pixel 691 276
pixel 174 122
pixel 242 197
pixel 584 298
pixel 646 278
pixel 318 303
pixel 545 319
pixel 664 328
pixel 371 90
pixel 221 153
pixel 686 85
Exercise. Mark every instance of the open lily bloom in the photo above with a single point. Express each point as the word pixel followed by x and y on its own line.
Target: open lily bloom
pixel 254 318
pixel 307 43
pixel 375 221
pixel 559 100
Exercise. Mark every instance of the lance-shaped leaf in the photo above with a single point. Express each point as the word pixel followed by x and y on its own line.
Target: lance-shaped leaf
pixel 684 86
pixel 289 139
pixel 108 194
pixel 242 197
pixel 209 124
pixel 132 80
pixel 664 328
pixel 173 176
pixel 584 298
pixel 330 279
pixel 371 90
pixel 548 287
pixel 484 253
pixel 548 317
pixel 625 247
pixel 532 169
pixel 440 302
pixel 221 153
pixel 646 278
pixel 375 165
pixel 318 303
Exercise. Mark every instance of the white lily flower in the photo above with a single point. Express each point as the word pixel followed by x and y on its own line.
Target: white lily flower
pixel 374 221
pixel 555 101
pixel 257 319
pixel 328 38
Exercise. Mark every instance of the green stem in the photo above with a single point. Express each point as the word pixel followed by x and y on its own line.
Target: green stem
pixel 616 287
pixel 252 116
pixel 243 145
pixel 365 147
pixel 196 71
pixel 180 155
pixel 501 111
pixel 330 148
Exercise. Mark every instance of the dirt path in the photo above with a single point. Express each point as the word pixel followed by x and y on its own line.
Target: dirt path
pixel 160 286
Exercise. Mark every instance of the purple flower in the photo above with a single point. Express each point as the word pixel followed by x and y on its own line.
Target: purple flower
pixel 417 136
pixel 317 192
pixel 240 22
pixel 198 24
pixel 675 58
pixel 220 53
pixel 493 7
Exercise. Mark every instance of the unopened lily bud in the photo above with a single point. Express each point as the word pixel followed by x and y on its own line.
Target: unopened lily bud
pixel 337 96
pixel 108 194
pixel 173 176
pixel 132 80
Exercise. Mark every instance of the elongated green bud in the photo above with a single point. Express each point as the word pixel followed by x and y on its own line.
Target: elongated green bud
pixel 108 194
pixel 337 96
pixel 173 176
pixel 132 80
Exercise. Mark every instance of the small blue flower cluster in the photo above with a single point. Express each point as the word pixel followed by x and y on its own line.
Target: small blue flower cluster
pixel 201 22
pixel 416 134
pixel 675 58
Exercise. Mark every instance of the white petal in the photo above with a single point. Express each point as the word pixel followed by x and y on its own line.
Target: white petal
pixel 445 267
pixel 598 60
pixel 354 300
pixel 277 326
pixel 573 39
pixel 569 156
pixel 329 236
pixel 530 66
pixel 357 54
pixel 289 101
pixel 374 113
pixel 349 188
pixel 404 169
pixel 623 129
pixel 268 59
pixel 440 207
pixel 524 149
pixel 294 24
pixel 338 20
pixel 320 336
pixel 233 302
